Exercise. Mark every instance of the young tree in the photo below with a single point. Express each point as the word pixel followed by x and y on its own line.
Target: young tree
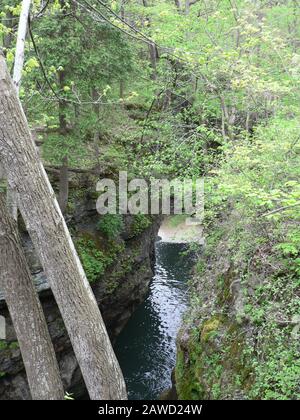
pixel 20 46
pixel 27 314
pixel 47 228
pixel 17 76
pixel 153 52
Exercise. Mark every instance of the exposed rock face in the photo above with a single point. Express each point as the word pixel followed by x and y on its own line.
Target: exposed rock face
pixel 240 338
pixel 118 291
pixel 210 346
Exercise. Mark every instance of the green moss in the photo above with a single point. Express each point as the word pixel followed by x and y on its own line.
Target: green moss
pixel 200 267
pixel 224 281
pixel 187 376
pixel 212 359
pixel 209 329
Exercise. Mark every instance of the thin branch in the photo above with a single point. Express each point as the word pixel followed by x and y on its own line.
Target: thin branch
pixel 280 209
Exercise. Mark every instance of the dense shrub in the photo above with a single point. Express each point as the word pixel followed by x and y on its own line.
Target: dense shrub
pixel 111 225
pixel 93 260
pixel 140 223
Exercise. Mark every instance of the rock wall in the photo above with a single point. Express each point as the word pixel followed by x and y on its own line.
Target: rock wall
pixel 118 291
pixel 240 339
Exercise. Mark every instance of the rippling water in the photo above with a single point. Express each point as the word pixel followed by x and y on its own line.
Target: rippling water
pixel 146 348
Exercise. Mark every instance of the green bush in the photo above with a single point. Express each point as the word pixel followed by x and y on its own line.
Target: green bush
pixel 252 219
pixel 93 260
pixel 140 223
pixel 111 225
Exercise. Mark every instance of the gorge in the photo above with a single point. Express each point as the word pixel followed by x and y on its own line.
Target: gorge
pixel 118 292
pixel 155 90
pixel 142 297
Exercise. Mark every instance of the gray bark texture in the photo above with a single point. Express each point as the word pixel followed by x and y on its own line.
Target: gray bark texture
pixel 26 312
pixel 17 76
pixel 63 185
pixel 20 46
pixel 52 240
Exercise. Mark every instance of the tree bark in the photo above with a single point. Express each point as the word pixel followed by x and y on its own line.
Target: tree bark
pixel 63 185
pixel 11 200
pixel 122 89
pixel 96 143
pixel 27 314
pixel 178 5
pixel 63 194
pixel 17 76
pixel 153 52
pixel 153 59
pixel 52 240
pixel 187 7
pixel 20 46
pixel 226 120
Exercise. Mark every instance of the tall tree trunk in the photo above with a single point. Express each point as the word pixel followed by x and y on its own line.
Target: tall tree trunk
pixel 187 7
pixel 226 120
pixel 153 60
pixel 63 194
pixel 62 105
pixel 20 46
pixel 96 110
pixel 123 16
pixel 122 89
pixel 153 52
pixel 17 76
pixel 178 5
pixel 52 240
pixel 96 143
pixel 27 314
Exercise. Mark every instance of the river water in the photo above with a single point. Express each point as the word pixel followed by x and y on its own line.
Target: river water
pixel 146 348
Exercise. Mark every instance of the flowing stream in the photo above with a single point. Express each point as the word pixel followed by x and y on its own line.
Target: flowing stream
pixel 146 348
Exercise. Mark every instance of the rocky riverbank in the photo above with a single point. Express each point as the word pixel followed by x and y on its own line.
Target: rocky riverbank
pixel 240 337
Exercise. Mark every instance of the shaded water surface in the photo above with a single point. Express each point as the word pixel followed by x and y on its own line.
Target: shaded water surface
pixel 146 348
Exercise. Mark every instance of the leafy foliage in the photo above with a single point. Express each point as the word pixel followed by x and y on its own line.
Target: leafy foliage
pixel 93 260
pixel 140 223
pixel 111 225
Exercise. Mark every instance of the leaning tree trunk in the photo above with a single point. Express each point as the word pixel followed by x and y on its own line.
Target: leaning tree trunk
pixel 51 238
pixel 27 314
